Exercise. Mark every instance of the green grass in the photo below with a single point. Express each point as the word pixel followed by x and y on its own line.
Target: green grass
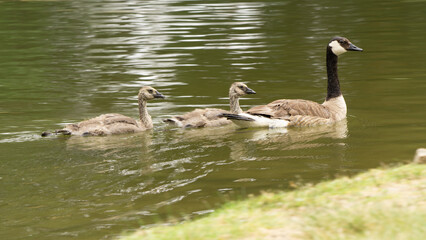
pixel 379 204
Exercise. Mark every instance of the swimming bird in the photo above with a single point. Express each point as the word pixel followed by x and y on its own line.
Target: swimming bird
pixel 299 112
pixel 209 117
pixel 114 123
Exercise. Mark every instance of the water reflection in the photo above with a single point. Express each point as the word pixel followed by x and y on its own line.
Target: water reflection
pixel 212 135
pixel 139 141
pixel 64 61
pixel 281 140
pixel 295 136
pixel 100 53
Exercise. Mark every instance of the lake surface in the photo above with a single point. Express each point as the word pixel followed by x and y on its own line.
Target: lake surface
pixel 65 61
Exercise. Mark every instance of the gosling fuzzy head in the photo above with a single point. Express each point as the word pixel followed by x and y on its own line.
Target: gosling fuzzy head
pixel 149 93
pixel 240 89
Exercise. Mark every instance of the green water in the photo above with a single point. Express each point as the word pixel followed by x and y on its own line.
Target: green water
pixel 65 61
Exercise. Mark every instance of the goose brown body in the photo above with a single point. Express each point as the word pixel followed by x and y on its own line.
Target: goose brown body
pixel 300 112
pixel 114 123
pixel 105 124
pixel 207 117
pixel 210 117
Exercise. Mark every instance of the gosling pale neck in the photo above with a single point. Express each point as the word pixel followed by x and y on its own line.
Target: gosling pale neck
pixel 143 114
pixel 235 104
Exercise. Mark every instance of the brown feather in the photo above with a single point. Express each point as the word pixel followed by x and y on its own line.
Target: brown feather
pixel 106 124
pixel 307 113
pixel 307 121
pixel 113 123
pixel 209 117
pixel 285 108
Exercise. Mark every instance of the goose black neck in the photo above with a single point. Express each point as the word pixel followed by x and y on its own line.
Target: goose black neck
pixel 333 85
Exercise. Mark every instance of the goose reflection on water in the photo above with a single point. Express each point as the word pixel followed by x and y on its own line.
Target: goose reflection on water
pixel 282 140
pixel 301 135
pixel 168 139
pixel 160 168
pixel 111 143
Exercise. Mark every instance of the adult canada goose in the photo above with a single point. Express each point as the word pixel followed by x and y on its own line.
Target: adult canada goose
pixel 209 117
pixel 114 123
pixel 298 112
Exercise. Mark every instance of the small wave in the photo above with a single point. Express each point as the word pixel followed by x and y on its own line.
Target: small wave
pixel 25 136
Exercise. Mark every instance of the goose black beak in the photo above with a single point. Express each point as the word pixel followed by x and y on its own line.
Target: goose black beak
pixel 249 91
pixel 354 48
pixel 158 95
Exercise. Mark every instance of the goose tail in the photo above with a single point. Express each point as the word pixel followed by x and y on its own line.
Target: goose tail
pixel 231 116
pixel 169 120
pixel 246 120
pixel 57 132
pixel 173 121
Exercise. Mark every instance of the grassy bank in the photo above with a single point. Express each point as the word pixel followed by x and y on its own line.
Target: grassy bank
pixel 379 204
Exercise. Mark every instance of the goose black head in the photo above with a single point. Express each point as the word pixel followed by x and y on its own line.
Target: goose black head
pixel 148 93
pixel 240 89
pixel 340 45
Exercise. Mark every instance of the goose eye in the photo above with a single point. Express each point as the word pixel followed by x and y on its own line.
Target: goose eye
pixel 241 87
pixel 150 91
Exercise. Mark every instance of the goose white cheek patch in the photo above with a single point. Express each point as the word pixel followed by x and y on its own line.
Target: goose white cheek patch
pixel 336 48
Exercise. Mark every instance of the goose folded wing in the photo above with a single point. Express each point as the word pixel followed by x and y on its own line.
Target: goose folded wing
pixel 120 119
pixel 307 121
pixel 285 108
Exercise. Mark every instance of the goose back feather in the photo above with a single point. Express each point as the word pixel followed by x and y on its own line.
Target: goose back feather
pixel 197 118
pixel 106 124
pixel 285 108
pixel 211 117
